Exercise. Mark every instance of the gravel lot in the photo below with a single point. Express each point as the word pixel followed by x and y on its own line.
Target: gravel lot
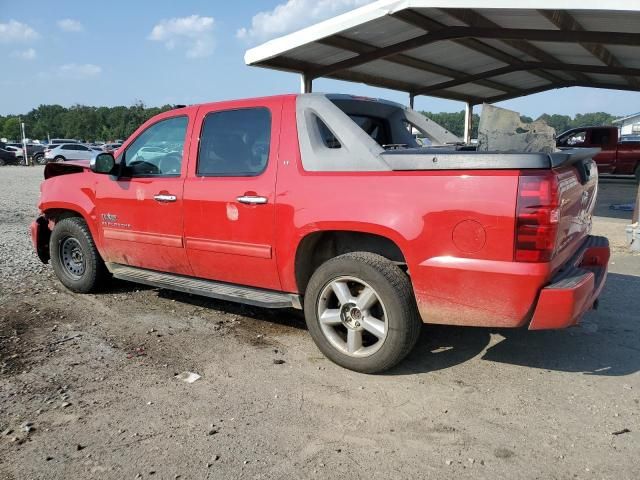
pixel 88 387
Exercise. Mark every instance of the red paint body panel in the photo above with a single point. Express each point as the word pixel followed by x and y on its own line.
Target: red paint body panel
pixel 455 229
pixel 227 240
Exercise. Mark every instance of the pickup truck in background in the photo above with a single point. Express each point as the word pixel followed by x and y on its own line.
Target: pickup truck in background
pixel 617 157
pixel 328 204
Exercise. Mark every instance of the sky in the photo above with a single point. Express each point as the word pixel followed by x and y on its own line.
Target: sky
pixel 160 52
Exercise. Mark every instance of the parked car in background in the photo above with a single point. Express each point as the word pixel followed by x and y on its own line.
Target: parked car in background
pixel 18 152
pixel 60 141
pixel 290 201
pixel 7 157
pixel 111 147
pixel 68 151
pixel 630 138
pixel 617 157
pixel 34 151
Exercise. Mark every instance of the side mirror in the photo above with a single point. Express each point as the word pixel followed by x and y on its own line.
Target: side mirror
pixel 102 163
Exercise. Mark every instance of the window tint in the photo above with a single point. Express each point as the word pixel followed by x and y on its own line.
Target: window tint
pixel 600 137
pixel 82 148
pixel 235 143
pixel 67 147
pixel 328 138
pixel 168 135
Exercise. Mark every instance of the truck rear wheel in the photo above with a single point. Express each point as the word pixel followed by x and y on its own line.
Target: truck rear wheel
pixel 361 312
pixel 74 256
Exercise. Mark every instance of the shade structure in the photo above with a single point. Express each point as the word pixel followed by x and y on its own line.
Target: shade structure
pixel 469 50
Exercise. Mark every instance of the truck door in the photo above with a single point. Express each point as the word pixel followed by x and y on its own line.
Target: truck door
pixel 229 194
pixel 605 139
pixel 140 212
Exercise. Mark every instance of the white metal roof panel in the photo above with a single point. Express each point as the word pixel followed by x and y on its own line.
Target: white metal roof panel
pixel 500 49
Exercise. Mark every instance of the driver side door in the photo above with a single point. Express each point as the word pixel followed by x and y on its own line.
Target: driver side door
pixel 141 211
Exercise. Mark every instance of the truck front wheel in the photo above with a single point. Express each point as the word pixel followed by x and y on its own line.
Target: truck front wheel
pixel 74 256
pixel 361 312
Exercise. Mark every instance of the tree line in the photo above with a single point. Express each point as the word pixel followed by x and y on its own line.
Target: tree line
pixel 110 123
pixel 79 121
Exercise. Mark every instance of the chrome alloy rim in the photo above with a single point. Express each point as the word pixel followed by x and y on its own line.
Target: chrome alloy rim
pixel 352 317
pixel 72 257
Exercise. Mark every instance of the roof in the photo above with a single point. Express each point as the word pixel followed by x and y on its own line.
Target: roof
pixel 470 50
pixel 628 117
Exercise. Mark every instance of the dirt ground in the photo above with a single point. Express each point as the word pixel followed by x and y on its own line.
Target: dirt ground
pixel 88 387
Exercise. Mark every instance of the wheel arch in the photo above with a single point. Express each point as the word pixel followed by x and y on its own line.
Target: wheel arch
pixel 318 246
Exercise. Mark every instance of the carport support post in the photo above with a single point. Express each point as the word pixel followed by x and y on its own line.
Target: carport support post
pixel 306 83
pixel 412 100
pixel 468 122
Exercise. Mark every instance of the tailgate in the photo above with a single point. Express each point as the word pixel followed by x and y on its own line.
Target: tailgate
pixel 577 190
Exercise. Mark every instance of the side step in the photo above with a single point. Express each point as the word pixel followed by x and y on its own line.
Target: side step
pixel 207 288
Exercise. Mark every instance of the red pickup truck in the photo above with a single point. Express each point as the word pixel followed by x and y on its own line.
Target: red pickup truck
pixel 327 203
pixel 616 157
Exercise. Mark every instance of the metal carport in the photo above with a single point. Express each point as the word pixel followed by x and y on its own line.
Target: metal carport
pixel 473 51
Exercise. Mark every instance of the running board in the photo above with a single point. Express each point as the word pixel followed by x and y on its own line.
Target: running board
pixel 206 288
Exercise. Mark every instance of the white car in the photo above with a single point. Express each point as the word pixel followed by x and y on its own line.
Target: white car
pixel 17 151
pixel 150 153
pixel 68 151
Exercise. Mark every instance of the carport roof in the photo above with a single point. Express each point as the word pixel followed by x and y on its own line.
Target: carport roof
pixel 470 50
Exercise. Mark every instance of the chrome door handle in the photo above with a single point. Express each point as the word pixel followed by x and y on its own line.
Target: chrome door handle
pixel 252 200
pixel 165 198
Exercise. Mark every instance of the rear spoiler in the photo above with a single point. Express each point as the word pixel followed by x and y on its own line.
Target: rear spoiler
pixel 440 159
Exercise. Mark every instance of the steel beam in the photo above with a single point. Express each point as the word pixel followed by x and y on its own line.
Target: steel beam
pixel 428 24
pixel 472 18
pixel 566 22
pixel 487 33
pixel 356 46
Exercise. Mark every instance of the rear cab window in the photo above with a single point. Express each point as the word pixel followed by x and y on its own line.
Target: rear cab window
pixel 234 143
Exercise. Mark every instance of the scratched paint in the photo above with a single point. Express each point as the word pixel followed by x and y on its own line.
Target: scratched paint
pixel 232 212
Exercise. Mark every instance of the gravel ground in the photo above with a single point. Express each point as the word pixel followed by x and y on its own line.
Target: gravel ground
pixel 88 387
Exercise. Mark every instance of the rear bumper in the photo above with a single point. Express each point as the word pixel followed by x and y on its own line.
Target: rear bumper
pixel 575 289
pixel 506 294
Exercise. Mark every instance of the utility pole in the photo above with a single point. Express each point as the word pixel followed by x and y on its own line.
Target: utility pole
pixel 24 145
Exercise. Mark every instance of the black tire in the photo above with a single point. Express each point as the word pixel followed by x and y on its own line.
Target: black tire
pixel 2 162
pixel 59 158
pixel 74 256
pixel 391 285
pixel 39 159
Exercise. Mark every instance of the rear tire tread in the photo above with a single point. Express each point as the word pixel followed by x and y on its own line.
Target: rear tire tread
pixel 403 339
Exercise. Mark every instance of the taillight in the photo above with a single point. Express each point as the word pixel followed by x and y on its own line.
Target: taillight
pixel 537 216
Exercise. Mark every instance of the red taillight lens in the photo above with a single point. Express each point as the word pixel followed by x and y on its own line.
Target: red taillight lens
pixel 537 216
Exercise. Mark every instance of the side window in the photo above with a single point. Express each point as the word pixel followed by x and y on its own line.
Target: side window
pixel 328 138
pixel 600 137
pixel 235 143
pixel 168 136
pixel 575 138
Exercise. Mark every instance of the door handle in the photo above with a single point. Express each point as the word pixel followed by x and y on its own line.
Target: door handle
pixel 252 200
pixel 165 198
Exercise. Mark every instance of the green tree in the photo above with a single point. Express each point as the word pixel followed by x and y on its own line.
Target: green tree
pixel 11 128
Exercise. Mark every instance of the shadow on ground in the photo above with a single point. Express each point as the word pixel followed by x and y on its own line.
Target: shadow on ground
pixel 613 193
pixel 607 343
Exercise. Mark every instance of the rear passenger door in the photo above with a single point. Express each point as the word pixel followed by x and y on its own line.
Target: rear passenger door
pixel 229 194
